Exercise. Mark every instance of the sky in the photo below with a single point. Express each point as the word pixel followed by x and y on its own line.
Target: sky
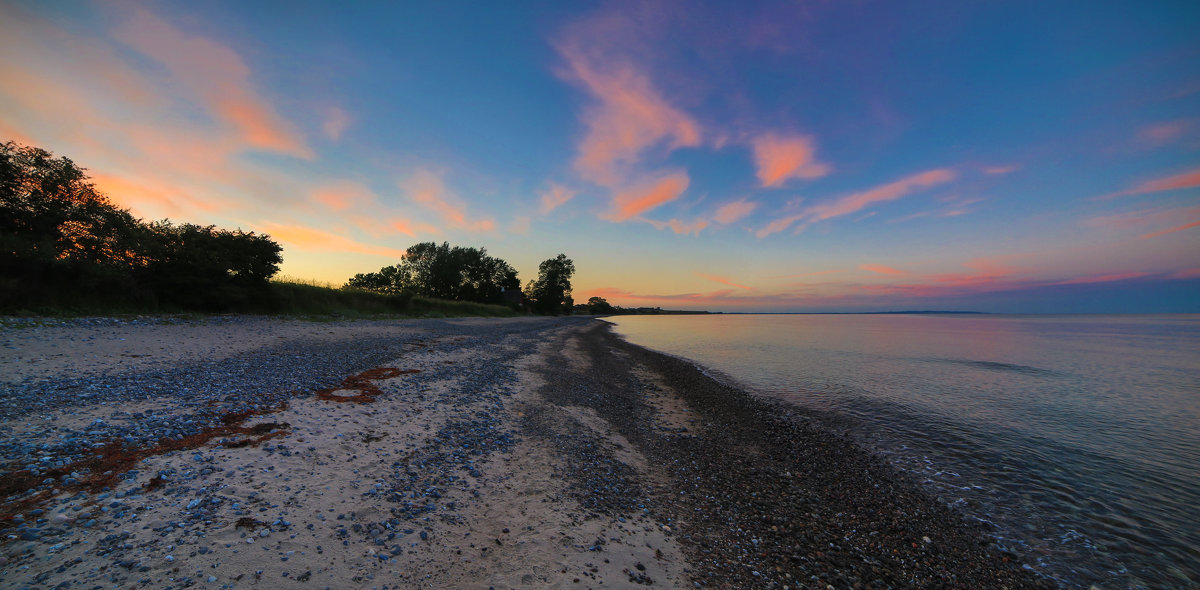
pixel 1006 156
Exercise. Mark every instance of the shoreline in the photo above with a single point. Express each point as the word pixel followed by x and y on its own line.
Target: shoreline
pixel 526 452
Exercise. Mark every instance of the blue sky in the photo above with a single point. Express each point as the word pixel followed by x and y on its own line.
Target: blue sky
pixel 776 156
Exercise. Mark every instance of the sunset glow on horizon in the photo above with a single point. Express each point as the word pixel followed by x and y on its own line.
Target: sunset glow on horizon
pixel 761 156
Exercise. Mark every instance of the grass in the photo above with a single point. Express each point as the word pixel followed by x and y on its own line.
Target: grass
pixel 311 299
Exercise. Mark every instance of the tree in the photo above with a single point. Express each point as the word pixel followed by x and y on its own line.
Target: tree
pixel 205 267
pixel 62 241
pixel 52 215
pixel 599 306
pixel 551 293
pixel 443 272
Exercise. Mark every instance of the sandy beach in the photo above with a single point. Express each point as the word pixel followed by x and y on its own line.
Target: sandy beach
pixel 466 453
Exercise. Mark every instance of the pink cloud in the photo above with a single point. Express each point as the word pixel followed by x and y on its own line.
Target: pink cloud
pixel 217 78
pixel 995 170
pixel 859 201
pixel 634 201
pixel 382 226
pixel 888 192
pixel 1170 231
pixel 1108 278
pixel 780 159
pixel 1189 273
pixel 311 239
pixel 723 281
pixel 681 227
pixel 344 196
pixel 1140 219
pixel 336 123
pixel 628 117
pixel 731 212
pixel 1189 179
pixel 1166 131
pixel 881 269
pixel 427 189
pixel 554 196
pixel 779 225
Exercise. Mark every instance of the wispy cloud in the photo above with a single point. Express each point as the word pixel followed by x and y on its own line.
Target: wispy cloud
pixel 634 201
pixel 554 196
pixel 1105 278
pixel 858 201
pixel 996 170
pixel 628 117
pixel 343 196
pixel 1185 180
pixel 723 281
pixel 781 158
pixel 336 123
pixel 734 211
pixel 1170 230
pixel 312 239
pixel 881 269
pixel 888 192
pixel 779 225
pixel 679 226
pixel 1165 132
pixel 1189 179
pixel 427 189
pixel 217 78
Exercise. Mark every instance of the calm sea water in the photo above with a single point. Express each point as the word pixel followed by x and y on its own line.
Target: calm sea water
pixel 1077 437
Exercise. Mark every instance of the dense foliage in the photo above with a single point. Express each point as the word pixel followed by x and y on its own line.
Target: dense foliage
pixel 551 292
pixel 64 243
pixel 444 272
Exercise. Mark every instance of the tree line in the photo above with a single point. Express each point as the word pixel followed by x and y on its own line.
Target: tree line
pixel 65 245
pixel 468 274
pixel 63 241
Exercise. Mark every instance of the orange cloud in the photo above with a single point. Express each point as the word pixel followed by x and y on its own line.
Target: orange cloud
pixel 380 228
pixel 217 78
pixel 427 189
pixel 554 196
pixel 641 198
pixel 344 195
pixel 782 158
pixel 888 192
pixel 723 281
pixel 881 269
pixel 629 117
pixel 1170 231
pixel 731 212
pixel 307 238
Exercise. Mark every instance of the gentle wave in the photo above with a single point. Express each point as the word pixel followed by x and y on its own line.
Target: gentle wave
pixel 1077 438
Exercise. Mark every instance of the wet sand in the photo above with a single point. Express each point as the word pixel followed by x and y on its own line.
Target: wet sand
pixel 512 453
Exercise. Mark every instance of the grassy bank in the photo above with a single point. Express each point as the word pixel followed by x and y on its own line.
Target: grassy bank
pixel 287 297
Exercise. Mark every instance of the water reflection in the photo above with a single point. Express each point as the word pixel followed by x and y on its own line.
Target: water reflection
pixel 1078 436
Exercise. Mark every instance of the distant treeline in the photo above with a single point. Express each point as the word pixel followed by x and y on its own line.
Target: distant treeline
pixel 600 306
pixel 63 243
